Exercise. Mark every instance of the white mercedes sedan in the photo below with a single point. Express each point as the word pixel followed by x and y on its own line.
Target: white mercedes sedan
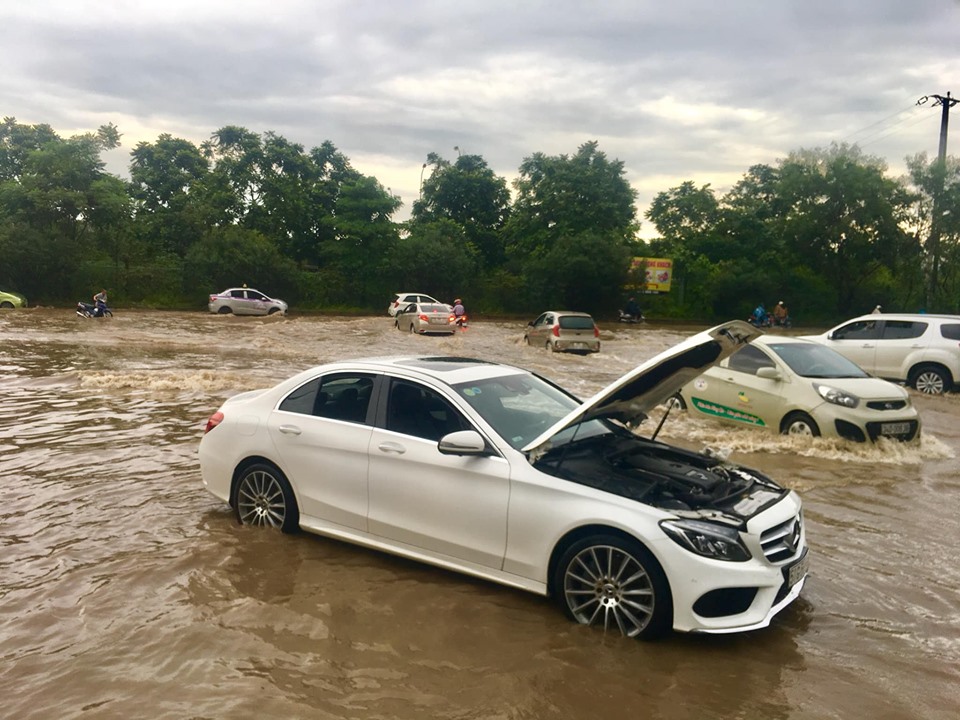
pixel 493 471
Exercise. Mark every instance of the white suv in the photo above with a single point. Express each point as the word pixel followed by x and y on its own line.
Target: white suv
pixel 919 349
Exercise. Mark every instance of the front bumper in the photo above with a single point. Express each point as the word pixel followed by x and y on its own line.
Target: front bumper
pixel 867 425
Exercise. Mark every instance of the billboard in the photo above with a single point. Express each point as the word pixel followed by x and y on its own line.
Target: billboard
pixel 658 272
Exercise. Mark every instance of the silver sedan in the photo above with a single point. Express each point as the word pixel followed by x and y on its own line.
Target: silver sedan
pixel 425 319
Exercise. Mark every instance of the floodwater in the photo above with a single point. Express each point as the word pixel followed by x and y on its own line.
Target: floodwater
pixel 127 591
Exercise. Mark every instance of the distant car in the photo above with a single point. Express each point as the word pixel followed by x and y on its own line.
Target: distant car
pixel 798 387
pixel 425 318
pixel 10 300
pixel 493 471
pixel 563 330
pixel 401 300
pixel 245 301
pixel 918 349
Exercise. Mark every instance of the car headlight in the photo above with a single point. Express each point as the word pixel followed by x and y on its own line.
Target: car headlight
pixel 704 538
pixel 837 397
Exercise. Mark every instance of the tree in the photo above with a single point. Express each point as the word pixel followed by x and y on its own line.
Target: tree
pixel 937 200
pixel 844 218
pixel 165 178
pixel 56 205
pixel 571 228
pixel 361 232
pixel 435 257
pixel 471 195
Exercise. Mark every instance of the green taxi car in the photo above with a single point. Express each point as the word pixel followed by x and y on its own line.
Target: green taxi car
pixel 12 300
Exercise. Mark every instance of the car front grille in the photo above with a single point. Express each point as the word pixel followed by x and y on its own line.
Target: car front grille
pixel 887 404
pixel 781 542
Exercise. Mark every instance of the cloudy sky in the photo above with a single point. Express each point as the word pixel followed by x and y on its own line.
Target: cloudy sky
pixel 677 89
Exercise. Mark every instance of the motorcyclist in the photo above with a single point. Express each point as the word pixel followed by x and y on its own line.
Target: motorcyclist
pixel 781 316
pixel 760 316
pixel 632 308
pixel 100 303
pixel 459 313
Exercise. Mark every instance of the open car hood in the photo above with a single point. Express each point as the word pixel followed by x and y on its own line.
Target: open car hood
pixel 630 398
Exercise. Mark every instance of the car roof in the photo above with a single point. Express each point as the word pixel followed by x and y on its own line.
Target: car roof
pixel 566 312
pixel 903 316
pixel 447 369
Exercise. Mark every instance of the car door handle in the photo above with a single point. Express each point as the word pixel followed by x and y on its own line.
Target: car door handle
pixel 289 429
pixel 392 447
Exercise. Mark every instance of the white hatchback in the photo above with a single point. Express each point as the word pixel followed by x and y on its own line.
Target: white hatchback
pixel 915 348
pixel 400 300
pixel 798 387
pixel 493 471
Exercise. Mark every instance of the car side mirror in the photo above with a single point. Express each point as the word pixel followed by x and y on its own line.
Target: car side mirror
pixel 530 324
pixel 829 336
pixel 769 373
pixel 463 442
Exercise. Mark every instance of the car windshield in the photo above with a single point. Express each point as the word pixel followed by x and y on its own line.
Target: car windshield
pixel 576 322
pixel 816 361
pixel 520 407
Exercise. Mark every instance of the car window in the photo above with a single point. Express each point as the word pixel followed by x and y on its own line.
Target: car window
pixel 413 409
pixel 816 361
pixel 859 330
pixel 236 294
pixel 254 295
pixel 341 396
pixel 903 329
pixel 576 322
pixel 749 360
pixel 540 320
pixel 950 331
pixel 521 407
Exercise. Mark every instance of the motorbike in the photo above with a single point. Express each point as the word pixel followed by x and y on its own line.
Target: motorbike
pixel 763 322
pixel 626 317
pixel 89 310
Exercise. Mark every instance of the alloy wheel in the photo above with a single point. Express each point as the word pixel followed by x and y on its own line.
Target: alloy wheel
pixel 606 585
pixel 260 500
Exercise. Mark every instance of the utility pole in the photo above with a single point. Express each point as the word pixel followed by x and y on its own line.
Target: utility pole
pixel 940 173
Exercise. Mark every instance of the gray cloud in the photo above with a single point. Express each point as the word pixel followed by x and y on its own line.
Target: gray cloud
pixel 679 90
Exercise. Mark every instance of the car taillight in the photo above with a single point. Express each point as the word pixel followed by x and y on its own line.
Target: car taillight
pixel 214 420
pixel 596 331
pixel 212 298
pixel 424 318
pixel 396 303
pixel 556 331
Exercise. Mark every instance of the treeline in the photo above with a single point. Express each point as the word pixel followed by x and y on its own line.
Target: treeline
pixel 825 230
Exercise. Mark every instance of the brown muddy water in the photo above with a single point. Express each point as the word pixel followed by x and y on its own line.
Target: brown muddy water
pixel 126 591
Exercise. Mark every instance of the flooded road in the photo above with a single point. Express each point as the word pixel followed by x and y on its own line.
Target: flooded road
pixel 126 590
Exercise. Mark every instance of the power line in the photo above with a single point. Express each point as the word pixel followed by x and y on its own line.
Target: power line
pixel 892 131
pixel 911 108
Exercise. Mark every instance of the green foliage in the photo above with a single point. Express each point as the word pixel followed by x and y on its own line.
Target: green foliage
pixel 231 256
pixel 825 230
pixel 471 195
pixel 434 257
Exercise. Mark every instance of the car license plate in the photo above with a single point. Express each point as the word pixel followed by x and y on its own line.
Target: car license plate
pixel 895 428
pixel 796 572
